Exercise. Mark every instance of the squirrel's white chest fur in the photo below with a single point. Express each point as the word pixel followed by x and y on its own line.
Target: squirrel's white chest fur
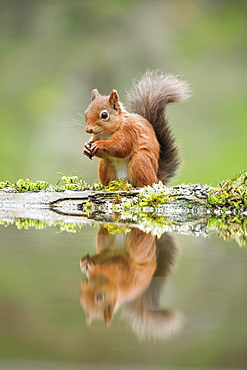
pixel 121 167
pixel 120 164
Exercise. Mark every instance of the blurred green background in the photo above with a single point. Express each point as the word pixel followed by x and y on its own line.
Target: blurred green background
pixel 53 53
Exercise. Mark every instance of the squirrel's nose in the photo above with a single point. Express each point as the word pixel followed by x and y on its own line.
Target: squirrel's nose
pixel 89 130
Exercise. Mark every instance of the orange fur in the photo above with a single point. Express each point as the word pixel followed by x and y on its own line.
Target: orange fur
pixel 120 271
pixel 139 146
pixel 124 140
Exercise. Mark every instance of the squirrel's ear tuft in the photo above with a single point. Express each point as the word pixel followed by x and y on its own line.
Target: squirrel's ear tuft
pixel 108 313
pixel 114 100
pixel 88 318
pixel 95 94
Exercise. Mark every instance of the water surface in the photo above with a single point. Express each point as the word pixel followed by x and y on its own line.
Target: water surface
pixel 188 310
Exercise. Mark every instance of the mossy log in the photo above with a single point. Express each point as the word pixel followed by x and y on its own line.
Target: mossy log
pixel 190 209
pixel 70 201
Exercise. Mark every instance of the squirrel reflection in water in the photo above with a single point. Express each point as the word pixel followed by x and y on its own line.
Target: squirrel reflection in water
pixel 130 270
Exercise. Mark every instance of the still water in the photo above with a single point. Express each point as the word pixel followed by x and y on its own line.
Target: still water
pixel 98 299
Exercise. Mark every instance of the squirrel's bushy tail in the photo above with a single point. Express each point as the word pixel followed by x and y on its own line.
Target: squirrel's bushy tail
pixel 148 98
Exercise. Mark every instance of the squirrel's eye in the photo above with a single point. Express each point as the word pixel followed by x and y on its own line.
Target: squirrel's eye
pixel 104 114
pixel 99 298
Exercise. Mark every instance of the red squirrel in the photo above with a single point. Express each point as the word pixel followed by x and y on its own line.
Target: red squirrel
pixel 130 271
pixel 136 146
pixel 120 272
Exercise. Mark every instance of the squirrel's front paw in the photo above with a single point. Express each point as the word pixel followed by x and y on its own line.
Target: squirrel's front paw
pixel 84 263
pixel 95 148
pixel 87 149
